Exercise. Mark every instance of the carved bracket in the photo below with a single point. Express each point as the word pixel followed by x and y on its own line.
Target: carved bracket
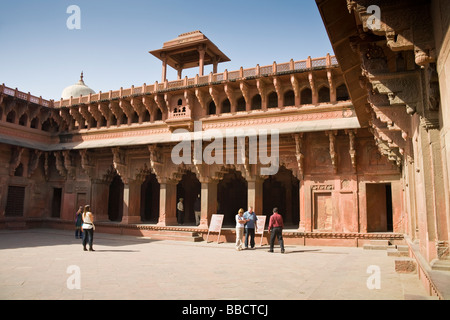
pixel 120 163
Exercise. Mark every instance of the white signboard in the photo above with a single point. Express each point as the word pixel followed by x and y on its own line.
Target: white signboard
pixel 215 225
pixel 260 224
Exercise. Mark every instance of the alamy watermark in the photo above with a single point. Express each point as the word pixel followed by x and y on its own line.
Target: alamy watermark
pixel 374 20
pixel 190 147
pixel 74 280
pixel 374 280
pixel 73 22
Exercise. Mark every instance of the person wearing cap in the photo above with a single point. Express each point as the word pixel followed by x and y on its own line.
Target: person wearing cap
pixel 180 212
pixel 276 229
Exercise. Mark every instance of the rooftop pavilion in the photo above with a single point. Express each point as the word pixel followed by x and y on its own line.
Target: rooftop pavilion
pixel 189 50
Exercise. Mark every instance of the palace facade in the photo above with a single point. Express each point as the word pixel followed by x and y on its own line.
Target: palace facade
pixel 362 151
pixel 113 149
pixel 395 59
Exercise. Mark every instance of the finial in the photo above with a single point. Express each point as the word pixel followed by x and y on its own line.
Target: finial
pixel 81 77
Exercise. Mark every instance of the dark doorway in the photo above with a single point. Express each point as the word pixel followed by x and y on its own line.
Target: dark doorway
pixel 188 188
pixel 150 199
pixel 282 191
pixel 15 201
pixel 389 222
pixel 231 196
pixel 379 207
pixel 115 202
pixel 56 202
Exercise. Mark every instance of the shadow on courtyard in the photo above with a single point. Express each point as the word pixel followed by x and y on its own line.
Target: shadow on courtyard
pixel 32 238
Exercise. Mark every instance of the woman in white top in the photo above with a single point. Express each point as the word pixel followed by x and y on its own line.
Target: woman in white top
pixel 240 222
pixel 88 228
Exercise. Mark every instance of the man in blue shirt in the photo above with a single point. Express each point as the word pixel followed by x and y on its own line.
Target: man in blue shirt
pixel 250 227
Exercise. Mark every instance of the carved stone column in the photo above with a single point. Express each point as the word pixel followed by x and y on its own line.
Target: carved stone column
pixel 132 202
pixel 99 199
pixel 201 62
pixel 167 202
pixel 208 201
pixel 255 194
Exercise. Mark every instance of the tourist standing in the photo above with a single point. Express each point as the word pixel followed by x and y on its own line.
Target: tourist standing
pixel 276 229
pixel 78 223
pixel 250 227
pixel 240 221
pixel 88 228
pixel 197 209
pixel 180 211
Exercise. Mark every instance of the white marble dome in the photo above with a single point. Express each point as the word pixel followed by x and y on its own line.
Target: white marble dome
pixel 76 90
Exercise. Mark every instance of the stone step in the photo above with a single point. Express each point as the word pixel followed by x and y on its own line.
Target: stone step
pixel 405 265
pixel 177 236
pixel 440 264
pixel 16 225
pixel 403 248
pixel 177 233
pixel 377 245
pixel 395 252
pixel 398 251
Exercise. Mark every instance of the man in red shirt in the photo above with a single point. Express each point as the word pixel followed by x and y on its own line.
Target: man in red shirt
pixel 276 229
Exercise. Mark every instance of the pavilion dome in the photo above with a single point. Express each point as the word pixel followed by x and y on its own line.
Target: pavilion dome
pixel 77 89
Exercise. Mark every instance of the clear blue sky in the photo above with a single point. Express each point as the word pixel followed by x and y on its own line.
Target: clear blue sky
pixel 39 54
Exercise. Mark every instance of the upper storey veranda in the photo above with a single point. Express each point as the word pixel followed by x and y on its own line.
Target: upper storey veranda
pixel 211 79
pixel 294 93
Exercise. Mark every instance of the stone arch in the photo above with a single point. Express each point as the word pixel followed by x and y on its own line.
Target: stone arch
pixel 289 98
pixel 212 108
pixel 232 195
pixel 34 123
pixel 342 93
pixel 324 94
pixel 188 188
pixel 50 125
pixel 11 116
pixel 23 120
pixel 115 199
pixel 226 106
pixel 282 191
pixel 256 102
pixel 241 104
pixel 272 100
pixel 150 194
pixel 306 96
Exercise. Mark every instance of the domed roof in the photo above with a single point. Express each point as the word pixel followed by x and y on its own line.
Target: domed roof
pixel 76 90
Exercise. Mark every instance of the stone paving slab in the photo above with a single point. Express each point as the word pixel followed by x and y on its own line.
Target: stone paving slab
pixel 36 264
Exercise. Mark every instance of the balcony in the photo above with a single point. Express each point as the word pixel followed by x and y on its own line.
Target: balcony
pixel 180 118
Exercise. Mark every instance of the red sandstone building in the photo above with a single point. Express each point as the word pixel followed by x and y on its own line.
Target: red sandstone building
pixel 363 144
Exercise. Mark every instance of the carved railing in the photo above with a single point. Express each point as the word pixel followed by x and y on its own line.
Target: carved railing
pixel 328 61
pixel 25 96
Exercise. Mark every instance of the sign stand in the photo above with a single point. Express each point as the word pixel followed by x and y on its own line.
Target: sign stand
pixel 215 225
pixel 260 223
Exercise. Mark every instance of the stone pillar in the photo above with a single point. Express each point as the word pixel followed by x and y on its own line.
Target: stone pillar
pixel 164 67
pixel 201 61
pixel 167 202
pixel 132 202
pixel 302 200
pixel 215 63
pixel 208 201
pixel 430 195
pixel 255 194
pixel 99 199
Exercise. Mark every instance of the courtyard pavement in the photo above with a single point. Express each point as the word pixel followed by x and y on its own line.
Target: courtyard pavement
pixel 50 264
